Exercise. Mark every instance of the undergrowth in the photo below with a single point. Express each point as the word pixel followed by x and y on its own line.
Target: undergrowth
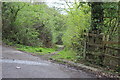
pixel 31 49
pixel 65 54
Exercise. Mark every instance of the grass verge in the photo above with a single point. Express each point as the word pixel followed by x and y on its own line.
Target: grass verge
pixel 38 50
pixel 65 54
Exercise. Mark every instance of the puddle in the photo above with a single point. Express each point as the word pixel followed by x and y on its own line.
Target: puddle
pixel 22 62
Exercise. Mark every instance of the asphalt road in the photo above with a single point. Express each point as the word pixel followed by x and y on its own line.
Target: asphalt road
pixel 17 64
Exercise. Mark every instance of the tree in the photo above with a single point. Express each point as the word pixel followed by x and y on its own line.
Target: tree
pixel 78 20
pixel 32 24
pixel 9 14
pixel 97 15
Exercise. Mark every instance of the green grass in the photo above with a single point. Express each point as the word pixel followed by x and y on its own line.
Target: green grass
pixel 38 50
pixel 65 54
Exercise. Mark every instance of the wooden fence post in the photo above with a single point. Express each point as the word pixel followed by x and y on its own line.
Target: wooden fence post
pixel 107 39
pixel 84 52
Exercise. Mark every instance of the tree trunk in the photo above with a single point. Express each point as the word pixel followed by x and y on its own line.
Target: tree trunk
pixel 97 16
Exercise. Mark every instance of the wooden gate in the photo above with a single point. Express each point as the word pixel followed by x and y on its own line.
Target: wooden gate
pixel 98 50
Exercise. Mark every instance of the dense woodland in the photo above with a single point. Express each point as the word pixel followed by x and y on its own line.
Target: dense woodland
pixel 39 25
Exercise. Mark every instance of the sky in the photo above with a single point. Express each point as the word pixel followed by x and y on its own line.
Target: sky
pixel 58 4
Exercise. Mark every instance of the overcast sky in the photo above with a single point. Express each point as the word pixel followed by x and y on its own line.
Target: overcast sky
pixel 58 4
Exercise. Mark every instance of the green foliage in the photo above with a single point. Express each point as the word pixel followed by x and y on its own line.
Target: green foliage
pixel 17 28
pixel 111 17
pixel 29 24
pixel 78 21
